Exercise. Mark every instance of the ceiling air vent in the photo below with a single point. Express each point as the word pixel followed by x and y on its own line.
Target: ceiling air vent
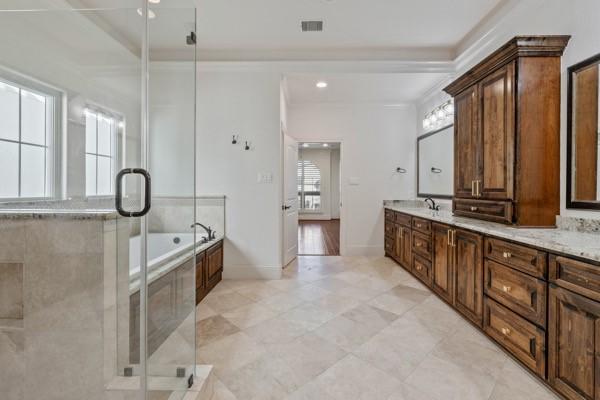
pixel 312 26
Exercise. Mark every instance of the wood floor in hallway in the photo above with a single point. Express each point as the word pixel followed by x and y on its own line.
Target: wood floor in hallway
pixel 321 238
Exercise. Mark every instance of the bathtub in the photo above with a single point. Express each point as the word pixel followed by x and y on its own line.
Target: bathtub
pixel 165 251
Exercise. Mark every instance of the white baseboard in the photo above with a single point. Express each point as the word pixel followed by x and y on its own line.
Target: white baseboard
pixel 251 272
pixel 372 251
pixel 314 217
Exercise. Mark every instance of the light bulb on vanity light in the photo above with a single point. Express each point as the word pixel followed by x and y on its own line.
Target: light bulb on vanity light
pixel 426 123
pixel 151 13
pixel 440 113
pixel 305 145
pixel 325 145
pixel 449 108
pixel 321 84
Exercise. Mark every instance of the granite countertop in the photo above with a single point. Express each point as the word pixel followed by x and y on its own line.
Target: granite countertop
pixel 7 213
pixel 585 245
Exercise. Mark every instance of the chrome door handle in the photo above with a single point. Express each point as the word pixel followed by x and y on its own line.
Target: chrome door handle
pixel 119 192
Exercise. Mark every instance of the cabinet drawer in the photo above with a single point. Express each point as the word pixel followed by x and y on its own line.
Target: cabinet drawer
pixel 497 211
pixel 390 229
pixel 523 339
pixel 421 225
pixel 422 269
pixel 525 259
pixel 403 219
pixel 421 244
pixel 521 293
pixel 578 276
pixel 390 215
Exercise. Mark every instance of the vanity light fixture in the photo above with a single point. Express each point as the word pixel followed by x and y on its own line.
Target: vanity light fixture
pixel 321 84
pixel 439 117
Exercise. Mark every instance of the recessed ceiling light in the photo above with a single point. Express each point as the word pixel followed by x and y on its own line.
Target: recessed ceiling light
pixel 325 145
pixel 321 84
pixel 151 13
pixel 305 145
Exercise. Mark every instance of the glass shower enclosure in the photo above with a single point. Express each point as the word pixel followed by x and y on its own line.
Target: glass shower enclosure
pixel 97 199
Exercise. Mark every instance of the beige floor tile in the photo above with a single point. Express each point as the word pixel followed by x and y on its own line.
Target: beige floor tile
pixel 391 303
pixel 410 293
pixel 407 392
pixel 514 375
pixel 309 315
pixel 353 378
pixel 371 316
pixel 346 333
pixel 212 329
pixel 351 277
pixel 377 284
pixel 337 304
pixel 258 291
pixel 220 392
pixel 387 353
pixel 358 293
pixel 266 378
pixel 282 302
pixel 330 283
pixel 435 318
pixel 308 356
pixel 412 334
pixel 276 330
pixel 310 292
pixel 310 391
pixel 467 353
pixel 223 302
pixel 442 379
pixel 230 353
pixel 203 311
pixel 285 285
pixel 249 315
pixel 511 392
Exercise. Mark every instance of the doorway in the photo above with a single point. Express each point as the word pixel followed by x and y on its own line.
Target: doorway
pixel 319 193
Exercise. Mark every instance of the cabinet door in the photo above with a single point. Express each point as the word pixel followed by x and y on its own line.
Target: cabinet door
pixel 497 111
pixel 466 143
pixel 214 259
pixel 200 278
pixel 468 275
pixel 442 261
pixel 406 251
pixel 574 345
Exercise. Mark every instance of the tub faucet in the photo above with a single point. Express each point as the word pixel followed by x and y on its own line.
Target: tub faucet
pixel 211 233
pixel 432 205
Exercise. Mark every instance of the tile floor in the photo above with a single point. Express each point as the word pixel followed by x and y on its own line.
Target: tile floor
pixel 342 328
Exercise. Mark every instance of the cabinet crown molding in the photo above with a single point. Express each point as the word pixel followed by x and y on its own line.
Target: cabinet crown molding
pixel 519 46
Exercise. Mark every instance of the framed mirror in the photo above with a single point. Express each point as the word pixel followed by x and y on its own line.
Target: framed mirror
pixel 583 135
pixel 435 164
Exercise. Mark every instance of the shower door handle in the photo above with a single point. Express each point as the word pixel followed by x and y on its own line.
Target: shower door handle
pixel 119 192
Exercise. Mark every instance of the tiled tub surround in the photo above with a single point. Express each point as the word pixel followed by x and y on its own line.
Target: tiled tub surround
pixel 65 294
pixel 569 242
pixel 536 292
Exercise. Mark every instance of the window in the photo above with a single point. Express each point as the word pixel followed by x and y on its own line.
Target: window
pixel 26 142
pixel 100 151
pixel 309 186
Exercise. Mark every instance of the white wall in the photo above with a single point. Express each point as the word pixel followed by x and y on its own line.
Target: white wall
pixel 375 140
pixel 248 104
pixel 322 159
pixel 578 18
pixel 335 184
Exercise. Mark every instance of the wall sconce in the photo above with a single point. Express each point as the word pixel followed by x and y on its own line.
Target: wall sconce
pixel 436 170
pixel 400 170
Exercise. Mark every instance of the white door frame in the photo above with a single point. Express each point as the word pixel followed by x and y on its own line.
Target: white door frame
pixel 343 205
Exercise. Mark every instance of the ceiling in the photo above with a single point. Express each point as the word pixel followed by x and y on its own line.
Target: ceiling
pixel 271 28
pixel 386 89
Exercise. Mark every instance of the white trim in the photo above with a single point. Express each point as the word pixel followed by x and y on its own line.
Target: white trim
pixel 251 272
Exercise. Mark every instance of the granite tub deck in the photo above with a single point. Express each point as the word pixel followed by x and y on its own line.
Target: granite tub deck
pixel 567 242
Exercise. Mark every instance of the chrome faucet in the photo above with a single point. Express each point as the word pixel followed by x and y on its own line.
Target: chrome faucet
pixel 431 204
pixel 209 231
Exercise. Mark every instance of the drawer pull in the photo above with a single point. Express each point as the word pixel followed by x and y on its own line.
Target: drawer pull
pixel 505 331
pixel 418 225
pixel 474 208
pixel 506 254
pixel 506 289
pixel 419 267
pixel 419 244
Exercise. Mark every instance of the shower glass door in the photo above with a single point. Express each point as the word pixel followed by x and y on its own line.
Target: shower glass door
pixel 97 301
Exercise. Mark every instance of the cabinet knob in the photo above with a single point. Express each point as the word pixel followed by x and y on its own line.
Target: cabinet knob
pixel 506 254
pixel 506 289
pixel 474 208
pixel 419 268
pixel 418 225
pixel 505 331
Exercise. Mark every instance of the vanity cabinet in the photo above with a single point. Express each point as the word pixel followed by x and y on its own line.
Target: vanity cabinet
pixel 442 261
pixel 209 269
pixel 507 133
pixel 398 238
pixel 574 345
pixel 468 274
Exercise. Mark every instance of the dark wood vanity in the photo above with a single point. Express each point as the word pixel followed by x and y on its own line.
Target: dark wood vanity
pixel 507 134
pixel 542 307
